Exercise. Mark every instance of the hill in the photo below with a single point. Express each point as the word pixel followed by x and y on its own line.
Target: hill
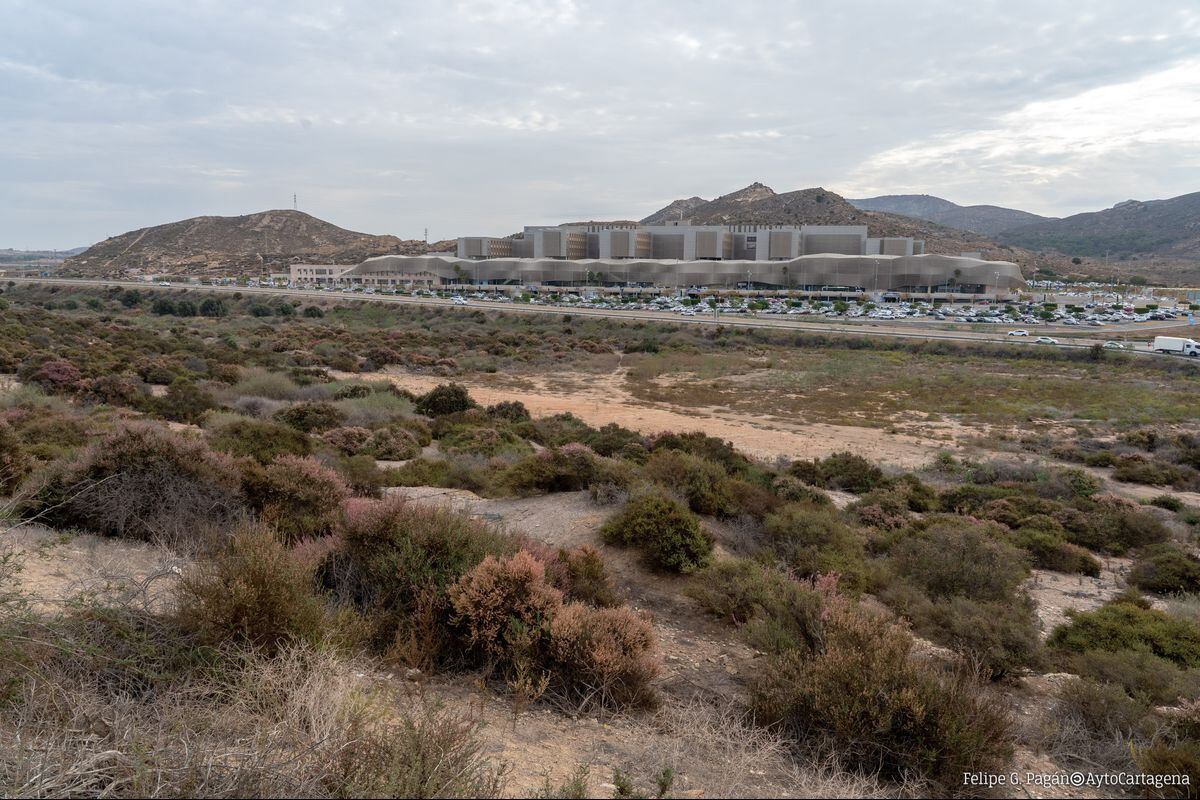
pixel 760 204
pixel 1168 228
pixel 677 209
pixel 212 245
pixel 985 219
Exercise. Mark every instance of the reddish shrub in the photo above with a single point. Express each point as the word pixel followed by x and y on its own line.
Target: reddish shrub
pixel 501 601
pixel 57 376
pixel 603 657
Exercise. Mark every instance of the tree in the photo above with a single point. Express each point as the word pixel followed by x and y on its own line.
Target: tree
pixel 314 312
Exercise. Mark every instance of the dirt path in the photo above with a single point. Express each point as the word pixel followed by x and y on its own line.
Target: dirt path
pixel 601 399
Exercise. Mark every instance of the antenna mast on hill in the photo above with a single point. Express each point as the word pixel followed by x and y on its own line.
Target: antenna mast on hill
pixel 427 236
pixel 295 207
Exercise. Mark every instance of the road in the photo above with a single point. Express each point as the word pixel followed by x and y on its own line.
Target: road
pixel 905 330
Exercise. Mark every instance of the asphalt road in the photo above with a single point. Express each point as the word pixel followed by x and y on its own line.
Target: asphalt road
pixel 909 329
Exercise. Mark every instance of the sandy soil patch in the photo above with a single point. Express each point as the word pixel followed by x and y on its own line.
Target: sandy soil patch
pixel 601 399
pixel 57 567
pixel 1055 593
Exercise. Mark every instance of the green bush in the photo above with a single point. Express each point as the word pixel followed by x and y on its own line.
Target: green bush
pixel 362 475
pixel 961 560
pixel 448 398
pixel 793 490
pixel 702 483
pixel 1165 569
pixel 1148 679
pixel 669 536
pixel 814 541
pixel 296 495
pixel 393 444
pixel 184 402
pixel 311 417
pixel 570 468
pixel 850 472
pixel 259 439
pixel 483 441
pixel 775 612
pixel 1051 551
pixel 1168 501
pixel 1129 624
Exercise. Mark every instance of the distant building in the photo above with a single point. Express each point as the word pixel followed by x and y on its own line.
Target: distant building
pixel 805 258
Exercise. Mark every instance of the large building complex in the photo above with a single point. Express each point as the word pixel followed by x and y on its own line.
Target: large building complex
pixel 806 258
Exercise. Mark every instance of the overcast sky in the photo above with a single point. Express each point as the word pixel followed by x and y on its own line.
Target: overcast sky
pixel 482 116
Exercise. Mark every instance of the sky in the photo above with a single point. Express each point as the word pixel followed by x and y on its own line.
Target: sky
pixel 481 116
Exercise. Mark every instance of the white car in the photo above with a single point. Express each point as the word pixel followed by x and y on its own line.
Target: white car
pixel 1018 333
pixel 1045 340
pixel 164 283
pixel 1114 345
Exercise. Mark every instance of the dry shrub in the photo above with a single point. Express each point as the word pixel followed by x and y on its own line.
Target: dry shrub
pixel 814 541
pixel 952 559
pixel 603 657
pixel 15 463
pixel 297 496
pixel 570 468
pixel 582 575
pixel 311 417
pixel 141 482
pixel 876 707
pixel 255 592
pixel 702 483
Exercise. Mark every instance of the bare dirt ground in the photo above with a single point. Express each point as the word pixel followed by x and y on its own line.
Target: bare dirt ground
pixel 601 399
pixel 1055 593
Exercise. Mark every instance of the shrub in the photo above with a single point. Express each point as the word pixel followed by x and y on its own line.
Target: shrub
pixel 950 560
pixel 184 402
pixel 481 441
pixel 775 612
pixel 393 444
pixel 1168 501
pixel 15 463
pixel 349 440
pixel 311 417
pixel 296 495
pixel 569 468
pixel 1115 526
pixel 253 592
pixel 447 398
pixel 850 472
pixel 261 440
pixel 603 656
pixel 1165 569
pixel 396 562
pixel 213 307
pixel 1146 678
pixel 668 535
pixel 509 411
pixel 1174 759
pixel 1126 624
pixel 793 490
pixel 142 483
pixel 502 604
pixel 1051 551
pixel 57 377
pixel 114 390
pixel 999 637
pixel 313 312
pixel 362 474
pixel 702 483
pixel 581 574
pixel 815 541
pixel 880 710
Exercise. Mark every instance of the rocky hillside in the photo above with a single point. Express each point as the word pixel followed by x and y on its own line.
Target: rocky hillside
pixel 678 209
pixel 1166 228
pixel 760 204
pixel 985 219
pixel 218 245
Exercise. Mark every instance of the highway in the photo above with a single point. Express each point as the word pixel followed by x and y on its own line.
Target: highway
pixel 889 328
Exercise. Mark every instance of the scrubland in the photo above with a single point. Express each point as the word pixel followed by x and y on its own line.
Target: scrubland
pixel 238 557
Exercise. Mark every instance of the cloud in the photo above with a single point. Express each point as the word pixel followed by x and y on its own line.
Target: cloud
pixel 484 115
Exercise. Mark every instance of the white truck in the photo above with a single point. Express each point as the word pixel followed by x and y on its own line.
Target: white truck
pixel 1175 345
